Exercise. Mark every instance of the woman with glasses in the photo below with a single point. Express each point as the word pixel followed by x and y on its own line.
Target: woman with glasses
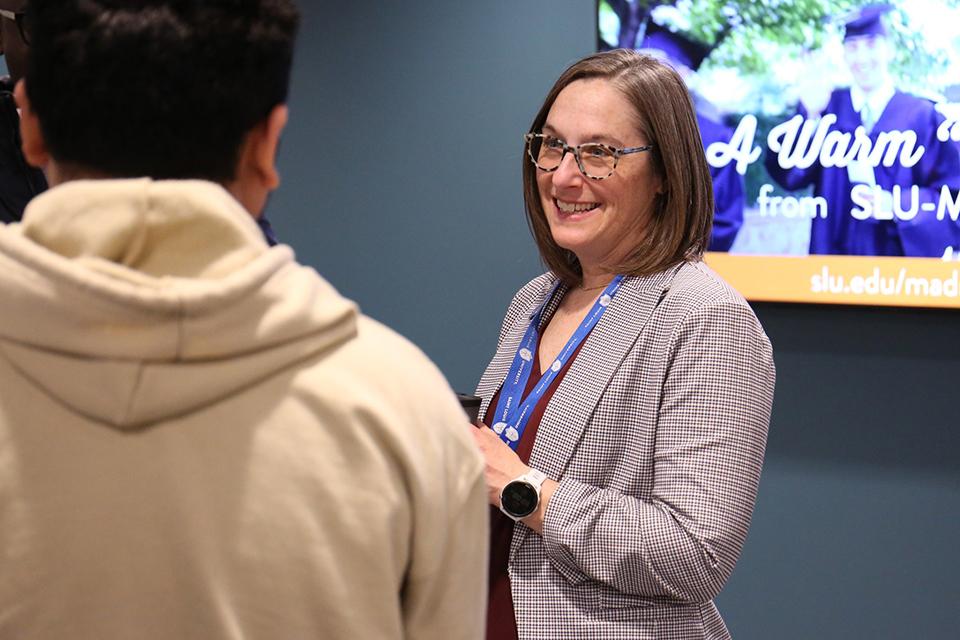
pixel 629 398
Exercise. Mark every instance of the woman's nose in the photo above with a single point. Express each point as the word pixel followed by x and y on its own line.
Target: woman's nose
pixel 568 173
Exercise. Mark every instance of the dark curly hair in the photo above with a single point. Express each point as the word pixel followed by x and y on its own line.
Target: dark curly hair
pixel 158 88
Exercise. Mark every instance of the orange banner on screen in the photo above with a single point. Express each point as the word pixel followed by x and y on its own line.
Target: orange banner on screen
pixel 902 282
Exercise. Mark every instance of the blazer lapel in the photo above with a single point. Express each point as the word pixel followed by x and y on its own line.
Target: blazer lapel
pixel 578 395
pixel 499 367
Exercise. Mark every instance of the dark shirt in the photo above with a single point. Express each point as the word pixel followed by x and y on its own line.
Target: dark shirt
pixel 19 182
pixel 267 230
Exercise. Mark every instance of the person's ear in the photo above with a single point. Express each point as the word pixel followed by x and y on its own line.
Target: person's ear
pixel 33 145
pixel 265 140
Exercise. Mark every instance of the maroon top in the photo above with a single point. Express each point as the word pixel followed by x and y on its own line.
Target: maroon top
pixel 501 621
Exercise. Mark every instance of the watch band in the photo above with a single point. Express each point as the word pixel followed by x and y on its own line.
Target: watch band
pixel 535 478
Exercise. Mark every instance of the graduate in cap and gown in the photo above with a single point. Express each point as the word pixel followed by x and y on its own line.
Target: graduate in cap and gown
pixel 686 55
pixel 874 103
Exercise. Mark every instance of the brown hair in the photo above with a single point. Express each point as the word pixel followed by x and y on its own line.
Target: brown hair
pixel 682 215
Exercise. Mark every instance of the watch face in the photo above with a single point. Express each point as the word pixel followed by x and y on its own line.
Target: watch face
pixel 519 499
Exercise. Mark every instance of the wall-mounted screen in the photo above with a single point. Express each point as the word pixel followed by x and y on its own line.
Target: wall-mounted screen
pixel 832 130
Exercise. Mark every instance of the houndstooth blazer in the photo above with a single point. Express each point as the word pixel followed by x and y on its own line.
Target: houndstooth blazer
pixel 656 436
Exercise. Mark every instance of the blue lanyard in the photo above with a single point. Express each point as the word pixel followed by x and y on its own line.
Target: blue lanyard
pixel 513 412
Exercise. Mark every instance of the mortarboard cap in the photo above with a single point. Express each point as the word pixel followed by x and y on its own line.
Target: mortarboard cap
pixel 866 21
pixel 678 47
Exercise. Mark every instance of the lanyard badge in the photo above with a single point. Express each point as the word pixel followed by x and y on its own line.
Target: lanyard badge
pixel 513 411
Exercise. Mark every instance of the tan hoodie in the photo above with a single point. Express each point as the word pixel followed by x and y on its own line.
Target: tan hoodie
pixel 199 438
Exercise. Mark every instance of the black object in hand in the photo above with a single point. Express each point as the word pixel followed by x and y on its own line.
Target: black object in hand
pixel 471 405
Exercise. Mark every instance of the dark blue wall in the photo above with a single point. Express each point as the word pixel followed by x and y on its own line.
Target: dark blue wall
pixel 402 186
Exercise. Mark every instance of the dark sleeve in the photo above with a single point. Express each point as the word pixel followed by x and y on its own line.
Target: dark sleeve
pixel 728 200
pixel 936 176
pixel 19 182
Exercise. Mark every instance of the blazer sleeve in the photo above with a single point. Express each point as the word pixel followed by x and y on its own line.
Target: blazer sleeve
pixel 711 428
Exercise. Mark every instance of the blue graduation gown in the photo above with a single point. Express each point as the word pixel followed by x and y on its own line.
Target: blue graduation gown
pixel 727 189
pixel 840 232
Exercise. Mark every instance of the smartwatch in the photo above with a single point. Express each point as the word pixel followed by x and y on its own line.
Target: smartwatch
pixel 521 497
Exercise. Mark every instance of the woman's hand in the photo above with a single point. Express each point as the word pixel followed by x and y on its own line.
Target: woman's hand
pixel 502 462
pixel 504 465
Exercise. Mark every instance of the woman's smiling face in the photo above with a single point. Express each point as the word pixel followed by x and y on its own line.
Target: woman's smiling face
pixel 601 221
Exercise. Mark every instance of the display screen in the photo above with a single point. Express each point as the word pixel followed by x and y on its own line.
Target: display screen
pixel 832 131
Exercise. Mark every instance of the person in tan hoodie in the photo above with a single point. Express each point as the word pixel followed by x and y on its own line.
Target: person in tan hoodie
pixel 199 437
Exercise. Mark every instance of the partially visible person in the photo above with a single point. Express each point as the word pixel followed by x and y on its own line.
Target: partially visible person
pixel 686 55
pixel 199 437
pixel 630 394
pixel 19 182
pixel 863 216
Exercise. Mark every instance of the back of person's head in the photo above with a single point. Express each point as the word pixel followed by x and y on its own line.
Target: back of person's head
pixel 157 88
pixel 679 228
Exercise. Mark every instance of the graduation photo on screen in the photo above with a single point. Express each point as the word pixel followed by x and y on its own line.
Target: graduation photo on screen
pixel 833 135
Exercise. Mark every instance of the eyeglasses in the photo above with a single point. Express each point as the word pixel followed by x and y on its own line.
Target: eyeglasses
pixel 596 161
pixel 21 19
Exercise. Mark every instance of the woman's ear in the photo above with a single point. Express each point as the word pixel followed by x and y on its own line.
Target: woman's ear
pixel 33 145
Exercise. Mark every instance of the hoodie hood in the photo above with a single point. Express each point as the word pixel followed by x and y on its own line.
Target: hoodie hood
pixel 133 301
